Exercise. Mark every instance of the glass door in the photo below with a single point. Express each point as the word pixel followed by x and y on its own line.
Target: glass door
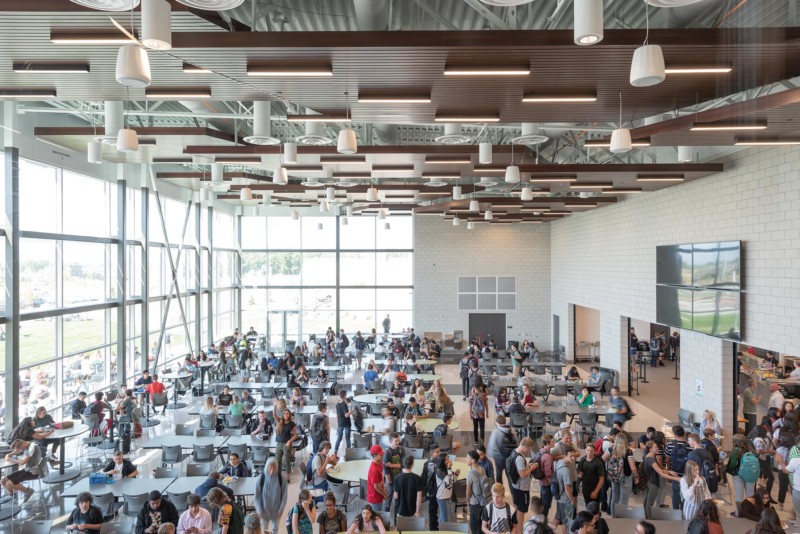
pixel 283 331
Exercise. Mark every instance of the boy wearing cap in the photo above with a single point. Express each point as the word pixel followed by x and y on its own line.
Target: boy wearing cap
pixel 376 490
pixel 156 512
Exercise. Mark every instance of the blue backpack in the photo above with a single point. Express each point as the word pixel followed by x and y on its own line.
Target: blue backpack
pixel 749 468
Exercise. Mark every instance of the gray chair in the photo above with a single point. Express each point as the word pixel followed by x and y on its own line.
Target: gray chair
pixel 362 440
pixel 356 454
pixel 560 390
pixel 208 421
pixel 267 392
pixel 234 421
pixel 42 526
pixel 460 494
pixel 240 449
pixel 541 390
pixel 539 369
pixel 133 503
pixel 588 423
pixel 202 453
pixel 117 527
pixel 184 430
pixel 410 524
pixel 449 408
pixel 417 454
pixel 105 501
pixel 171 455
pixel 198 470
pixel 445 443
pixel 376 408
pixel 557 417
pixel 630 512
pixel 537 422
pixel 205 432
pixel 412 442
pixel 259 457
pixel 179 499
pixel 519 420
pixel 302 419
pixel 159 399
pixel 163 472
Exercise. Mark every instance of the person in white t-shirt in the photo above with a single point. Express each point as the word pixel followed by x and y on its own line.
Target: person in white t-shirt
pixel 499 517
pixel 776 400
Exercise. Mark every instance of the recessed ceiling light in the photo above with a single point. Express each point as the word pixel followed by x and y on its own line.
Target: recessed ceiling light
pixel 582 205
pixel 593 185
pixel 16 93
pixel 88 37
pixel 466 118
pixel 343 159
pixel 392 168
pixel 766 142
pixel 238 159
pixel 290 71
pixel 498 70
pixel 351 175
pixel 441 175
pixel 454 160
pixel 602 143
pixel 687 69
pixel 393 99
pixel 621 190
pixel 179 92
pixel 533 97
pixel 341 117
pixel 34 67
pixel 723 126
pixel 188 68
pixel 660 178
pixel 553 179
pixel 531 222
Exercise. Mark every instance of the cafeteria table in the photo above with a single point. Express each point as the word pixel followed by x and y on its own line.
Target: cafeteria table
pixel 174 377
pixel 429 424
pixel 186 442
pixel 374 398
pixel 130 486
pixel 242 486
pixel 355 470
pixel 62 475
pixel 423 377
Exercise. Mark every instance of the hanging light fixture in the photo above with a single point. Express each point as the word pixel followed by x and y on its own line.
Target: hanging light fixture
pixel 324 206
pixel 470 225
pixel 456 221
pixel 133 66
pixel 588 22
pixel 295 215
pixel 347 144
pixel 157 24
pixel 526 195
pixel 246 194
pixel 456 192
pixel 217 173
pixel 344 221
pixel 485 153
pixel 512 171
pixel 330 194
pixel 621 137
pixel 381 214
pixel 114 114
pixel 349 211
pixel 488 215
pixel 372 194
pixel 319 226
pixel 685 154
pixel 290 153
pixel 387 226
pixel 474 206
pixel 279 176
pixel 647 65
pixel 127 140
pixel 95 152
pixel 262 125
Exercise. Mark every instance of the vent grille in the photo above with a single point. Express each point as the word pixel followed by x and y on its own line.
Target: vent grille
pixel 487 293
pixel 487 284
pixel 467 284
pixel 467 301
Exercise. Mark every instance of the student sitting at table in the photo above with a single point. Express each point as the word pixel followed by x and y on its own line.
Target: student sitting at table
pixel 213 481
pixel 394 410
pixel 225 398
pixel 586 398
pixel 321 377
pixel 370 375
pixel 380 349
pixel 143 380
pixel 119 467
pixel 85 517
pixel 301 375
pixel 260 424
pixel 236 408
pixel 594 376
pixel 389 375
pixel 502 402
pixel 527 397
pixel 188 365
pixel 297 400
pixel 235 467
pixel 573 373
pixel 516 406
pixel 248 400
pixel 410 425
pixel 414 409
pixel 155 388
pixel 443 430
pixel 367 521
pixel 391 365
pixel 397 389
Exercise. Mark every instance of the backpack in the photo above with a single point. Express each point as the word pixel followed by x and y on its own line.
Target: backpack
pixel 511 467
pixel 749 469
pixel 478 407
pixel 615 470
pixel 318 432
pixel 484 496
pixel 440 430
pixel 709 472
pixel 310 469
pixel 678 457
pixel 598 446
pixel 410 429
pixel 464 373
pixel 288 521
pixel 429 479
pixel 538 473
pixel 642 474
pixel 402 377
pixel 555 488
pixel 490 509
pixel 654 344
pixel 236 523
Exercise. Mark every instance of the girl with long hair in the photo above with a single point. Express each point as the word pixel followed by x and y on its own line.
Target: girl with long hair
pixel 367 521
pixel 285 435
pixel 693 489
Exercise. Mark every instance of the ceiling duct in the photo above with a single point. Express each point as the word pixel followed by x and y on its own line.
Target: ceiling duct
pixel 315 133
pixel 262 126
pixel 453 136
pixel 372 15
pixel 205 107
pixel 114 121
pixel 530 135
pixel 386 134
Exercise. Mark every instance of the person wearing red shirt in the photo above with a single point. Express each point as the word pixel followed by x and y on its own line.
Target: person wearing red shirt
pixel 156 387
pixel 376 490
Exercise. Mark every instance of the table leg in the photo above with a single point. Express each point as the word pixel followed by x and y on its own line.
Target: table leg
pixel 148 421
pixel 175 404
pixel 10 511
pixel 202 381
pixel 110 443
pixel 62 475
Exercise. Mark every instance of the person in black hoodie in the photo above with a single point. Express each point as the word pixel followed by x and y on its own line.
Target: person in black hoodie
pixel 212 482
pixel 156 511
pixel 502 441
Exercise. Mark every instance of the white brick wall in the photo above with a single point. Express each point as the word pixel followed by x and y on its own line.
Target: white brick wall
pixel 710 360
pixel 443 252
pixel 605 259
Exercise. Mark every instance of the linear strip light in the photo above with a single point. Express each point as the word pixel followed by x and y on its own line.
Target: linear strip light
pixel 530 221
pixel 660 178
pixel 498 70
pixel 697 69
pixel 553 179
pixel 466 118
pixel 343 159
pixel 586 205
pixel 182 92
pixel 621 190
pixel 392 168
pixel 766 142
pixel 534 97
pixel 238 159
pixel 393 99
pixel 12 94
pixel 725 126
pixel 37 67
pixel 490 169
pixel 350 175
pixel 440 175
pixel 593 185
pixel 454 160
pixel 533 210
pixel 341 117
pixel 88 37
pixel 290 71
pixel 602 143
pixel 188 68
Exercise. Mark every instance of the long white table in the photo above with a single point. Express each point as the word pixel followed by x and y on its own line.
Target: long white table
pixel 243 486
pixel 131 486
pixel 185 442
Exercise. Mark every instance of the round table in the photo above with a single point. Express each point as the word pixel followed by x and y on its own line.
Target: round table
pixel 429 424
pixel 175 405
pixel 204 367
pixel 62 475
pixel 424 378
pixel 355 470
pixel 374 398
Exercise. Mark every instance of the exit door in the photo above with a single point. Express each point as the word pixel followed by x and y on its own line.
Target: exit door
pixel 486 326
pixel 283 331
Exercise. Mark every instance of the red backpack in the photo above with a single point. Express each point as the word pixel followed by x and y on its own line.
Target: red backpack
pixel 598 446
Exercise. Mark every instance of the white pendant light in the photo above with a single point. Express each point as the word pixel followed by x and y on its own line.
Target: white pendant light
pixel 95 152
pixel 344 221
pixel 290 153
pixel 470 225
pixel 621 137
pixel 319 226
pixel 217 173
pixel 588 22
pixel 512 174
pixel 486 181
pixel 381 214
pixel 330 194
pixel 127 140
pixel 485 153
pixel 488 215
pixel 372 194
pixel 279 176
pixel 114 121
pixel 295 215
pixel 246 194
pixel 456 192
pixel 526 195
pixel 133 66
pixel 349 211
pixel 685 154
pixel 203 195
pixel 474 206
pixel 387 226
pixel 347 141
pixel 647 65
pixel 456 221
pixel 262 125
pixel 156 24
pixel 323 206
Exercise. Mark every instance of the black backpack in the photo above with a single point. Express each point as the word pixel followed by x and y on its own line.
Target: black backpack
pixel 318 431
pixel 429 480
pixel 464 373
pixel 511 467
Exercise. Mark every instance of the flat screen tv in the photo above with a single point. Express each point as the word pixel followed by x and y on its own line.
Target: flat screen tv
pixel 717 265
pixel 674 306
pixel 717 312
pixel 674 265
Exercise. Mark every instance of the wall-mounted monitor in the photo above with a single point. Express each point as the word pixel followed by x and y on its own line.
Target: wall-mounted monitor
pixel 674 265
pixel 674 306
pixel 717 265
pixel 717 312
